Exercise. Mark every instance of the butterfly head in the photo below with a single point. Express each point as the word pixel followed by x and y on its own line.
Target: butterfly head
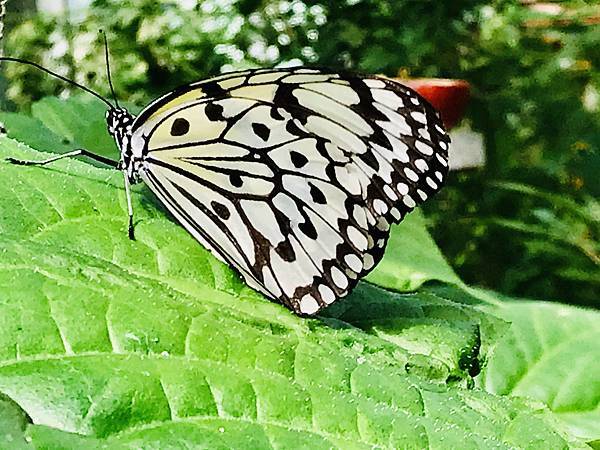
pixel 119 122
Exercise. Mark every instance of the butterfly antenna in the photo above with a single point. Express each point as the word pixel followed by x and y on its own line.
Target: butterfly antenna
pixel 56 75
pixel 112 89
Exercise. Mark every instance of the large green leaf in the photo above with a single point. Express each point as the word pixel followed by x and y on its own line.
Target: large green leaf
pixel 411 258
pixel 154 343
pixel 13 423
pixel 58 126
pixel 442 327
pixel 70 222
pixel 81 120
pixel 33 132
pixel 551 354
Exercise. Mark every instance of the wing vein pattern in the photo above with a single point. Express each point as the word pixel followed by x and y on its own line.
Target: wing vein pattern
pixel 293 176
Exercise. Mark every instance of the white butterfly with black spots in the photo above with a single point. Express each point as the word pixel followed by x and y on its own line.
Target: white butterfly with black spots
pixel 291 176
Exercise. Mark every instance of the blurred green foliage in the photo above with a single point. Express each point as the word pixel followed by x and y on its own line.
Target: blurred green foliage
pixel 526 224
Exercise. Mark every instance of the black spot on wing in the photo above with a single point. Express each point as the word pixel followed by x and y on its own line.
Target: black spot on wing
pixel 292 128
pixel 317 195
pixel 261 130
pixel 213 89
pixel 214 112
pixel 308 229
pixel 180 127
pixel 235 180
pixel 285 250
pixel 298 159
pixel 285 96
pixel 365 107
pixel 221 210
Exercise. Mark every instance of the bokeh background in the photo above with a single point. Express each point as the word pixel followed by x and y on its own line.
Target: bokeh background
pixel 526 223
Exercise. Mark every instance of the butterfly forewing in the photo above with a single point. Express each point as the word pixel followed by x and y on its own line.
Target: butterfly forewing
pixel 293 176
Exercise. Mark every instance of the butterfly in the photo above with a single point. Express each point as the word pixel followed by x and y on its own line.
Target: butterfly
pixel 292 176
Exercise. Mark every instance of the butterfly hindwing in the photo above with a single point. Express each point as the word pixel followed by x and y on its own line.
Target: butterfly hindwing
pixel 293 176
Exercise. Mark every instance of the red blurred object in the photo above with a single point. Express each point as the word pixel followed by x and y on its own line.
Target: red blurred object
pixel 449 97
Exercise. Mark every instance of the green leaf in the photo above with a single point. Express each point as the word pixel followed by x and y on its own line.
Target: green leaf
pixel 80 119
pixel 33 132
pixel 13 423
pixel 442 327
pixel 59 126
pixel 550 354
pixel 411 258
pixel 449 333
pixel 154 343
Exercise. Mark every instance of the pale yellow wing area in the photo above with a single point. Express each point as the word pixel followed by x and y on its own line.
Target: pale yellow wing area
pixel 218 87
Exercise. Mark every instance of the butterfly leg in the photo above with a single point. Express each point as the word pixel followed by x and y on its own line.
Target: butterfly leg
pixel 71 154
pixel 129 206
pixel 99 158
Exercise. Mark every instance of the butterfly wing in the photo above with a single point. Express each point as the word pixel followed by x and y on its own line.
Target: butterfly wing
pixel 293 176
